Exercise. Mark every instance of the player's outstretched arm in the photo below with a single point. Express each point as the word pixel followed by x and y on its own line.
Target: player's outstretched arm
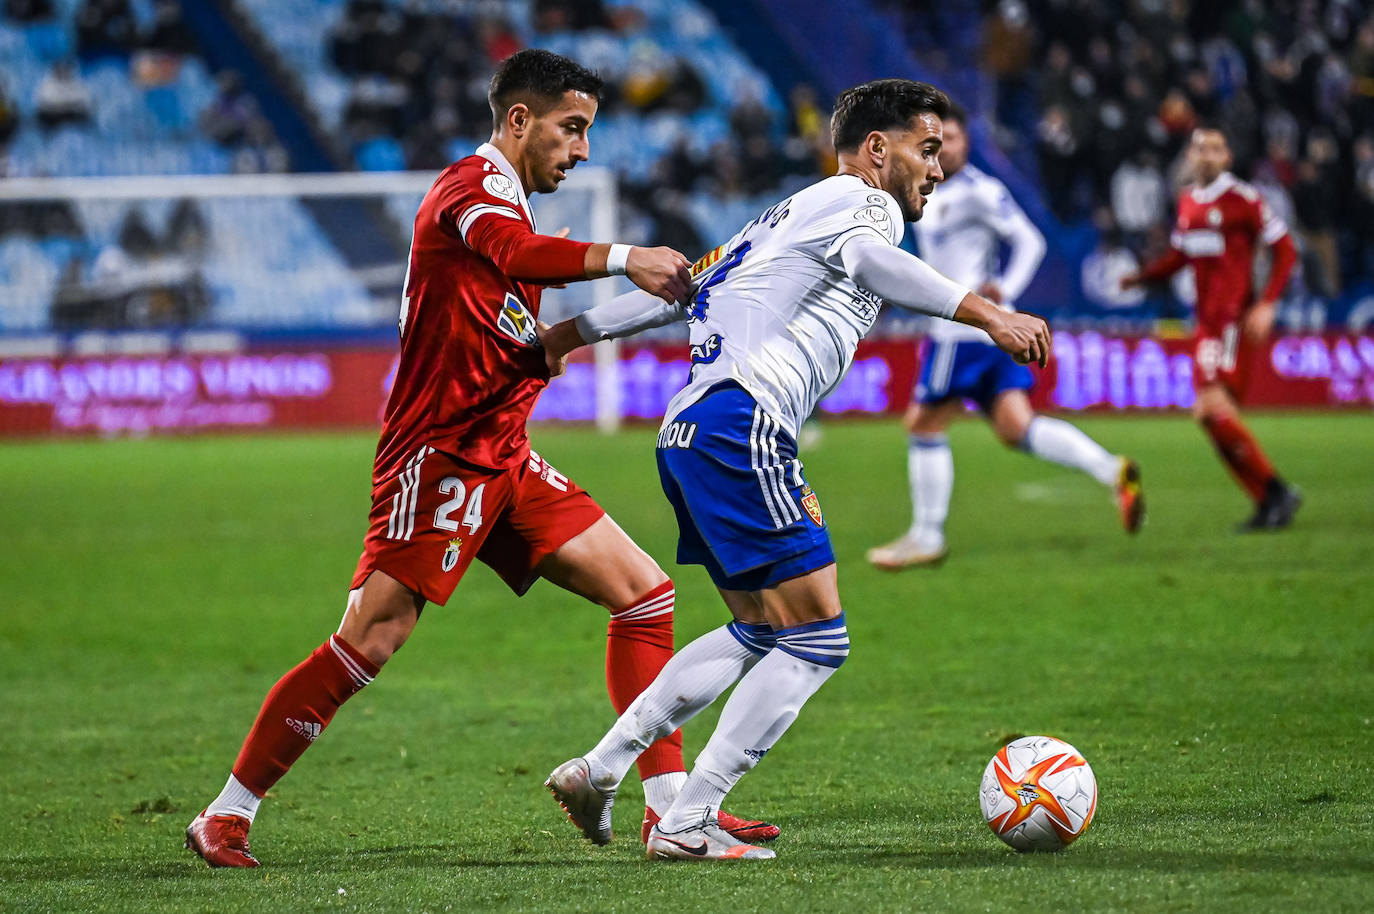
pixel 625 315
pixel 909 282
pixel 526 256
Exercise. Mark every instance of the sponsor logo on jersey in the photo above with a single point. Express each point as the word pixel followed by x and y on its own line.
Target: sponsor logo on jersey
pixel 498 185
pixel 677 434
pixel 707 351
pixel 812 504
pixel 450 560
pixel 1202 243
pixel 516 321
pixel 1214 217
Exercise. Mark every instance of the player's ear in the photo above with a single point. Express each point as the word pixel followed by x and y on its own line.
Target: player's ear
pixel 518 119
pixel 875 144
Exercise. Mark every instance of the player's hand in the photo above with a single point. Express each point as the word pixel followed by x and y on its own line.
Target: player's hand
pixel 660 271
pixel 555 354
pixel 1130 281
pixel 1025 337
pixel 991 291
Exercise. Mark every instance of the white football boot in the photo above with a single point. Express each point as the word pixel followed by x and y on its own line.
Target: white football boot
pixel 906 552
pixel 588 806
pixel 707 841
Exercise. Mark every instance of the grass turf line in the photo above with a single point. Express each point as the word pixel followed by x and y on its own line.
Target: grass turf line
pixel 1218 684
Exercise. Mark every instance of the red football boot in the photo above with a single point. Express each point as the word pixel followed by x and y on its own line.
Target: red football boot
pixel 749 830
pixel 221 840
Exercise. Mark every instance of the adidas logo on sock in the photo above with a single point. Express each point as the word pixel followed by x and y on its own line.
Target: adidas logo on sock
pixel 756 754
pixel 308 730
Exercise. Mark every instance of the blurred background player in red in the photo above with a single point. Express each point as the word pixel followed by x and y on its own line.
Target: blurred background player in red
pixel 454 476
pixel 1221 220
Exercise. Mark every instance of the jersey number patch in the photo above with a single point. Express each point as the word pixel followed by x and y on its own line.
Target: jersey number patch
pixel 472 517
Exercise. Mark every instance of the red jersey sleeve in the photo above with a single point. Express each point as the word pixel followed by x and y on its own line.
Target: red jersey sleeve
pixel 483 209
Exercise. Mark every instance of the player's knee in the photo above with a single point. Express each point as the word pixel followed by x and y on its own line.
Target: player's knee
pixel 824 643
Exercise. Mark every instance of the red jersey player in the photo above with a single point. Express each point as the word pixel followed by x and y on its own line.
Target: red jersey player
pixel 454 477
pixel 1221 220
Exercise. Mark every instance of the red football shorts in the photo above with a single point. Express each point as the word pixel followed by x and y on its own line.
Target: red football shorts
pixel 430 521
pixel 1222 355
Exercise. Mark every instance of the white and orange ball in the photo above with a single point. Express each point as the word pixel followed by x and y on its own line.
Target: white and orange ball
pixel 1038 794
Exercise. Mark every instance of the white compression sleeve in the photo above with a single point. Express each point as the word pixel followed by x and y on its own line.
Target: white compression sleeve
pixel 626 315
pixel 900 278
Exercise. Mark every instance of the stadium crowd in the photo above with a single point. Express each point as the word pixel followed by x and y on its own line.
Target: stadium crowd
pixel 1108 92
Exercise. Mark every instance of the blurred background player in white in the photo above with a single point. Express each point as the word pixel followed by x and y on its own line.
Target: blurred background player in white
pixel 960 235
pixel 776 317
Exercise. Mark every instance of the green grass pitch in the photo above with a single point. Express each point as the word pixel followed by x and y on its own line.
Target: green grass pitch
pixel 1221 686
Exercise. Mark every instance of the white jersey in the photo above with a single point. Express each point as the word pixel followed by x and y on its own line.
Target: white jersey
pixel 960 233
pixel 774 309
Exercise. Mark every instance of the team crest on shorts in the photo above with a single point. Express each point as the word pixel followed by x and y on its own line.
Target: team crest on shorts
pixel 450 560
pixel 812 504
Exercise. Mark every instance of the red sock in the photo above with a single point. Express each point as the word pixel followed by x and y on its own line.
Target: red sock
pixel 639 642
pixel 1241 452
pixel 297 710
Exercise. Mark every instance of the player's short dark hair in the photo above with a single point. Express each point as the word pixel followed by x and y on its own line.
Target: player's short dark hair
pixel 1213 126
pixel 538 79
pixel 957 114
pixel 883 104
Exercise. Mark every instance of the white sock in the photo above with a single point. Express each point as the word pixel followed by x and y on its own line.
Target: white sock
pixel 759 711
pixel 235 800
pixel 1058 441
pixel 662 789
pixel 691 680
pixel 930 467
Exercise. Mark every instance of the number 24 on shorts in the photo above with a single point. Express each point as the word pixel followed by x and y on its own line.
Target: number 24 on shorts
pixel 472 516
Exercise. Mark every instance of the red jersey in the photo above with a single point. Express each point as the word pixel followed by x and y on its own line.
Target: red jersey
pixel 471 367
pixel 1217 230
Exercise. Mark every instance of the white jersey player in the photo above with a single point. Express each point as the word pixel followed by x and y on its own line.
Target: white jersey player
pixel 775 314
pixel 961 235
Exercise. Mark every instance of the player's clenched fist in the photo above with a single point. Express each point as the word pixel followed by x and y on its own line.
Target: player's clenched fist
pixel 660 271
pixel 1025 337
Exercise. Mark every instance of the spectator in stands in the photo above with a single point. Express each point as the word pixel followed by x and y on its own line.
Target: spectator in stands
pixel 61 97
pixel 168 33
pixel 9 117
pixel 105 27
pixel 1317 200
pixel 569 15
pixel 1363 203
pixel 1139 196
pixel 226 119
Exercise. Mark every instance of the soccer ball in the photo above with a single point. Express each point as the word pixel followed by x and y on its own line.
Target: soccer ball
pixel 1038 794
